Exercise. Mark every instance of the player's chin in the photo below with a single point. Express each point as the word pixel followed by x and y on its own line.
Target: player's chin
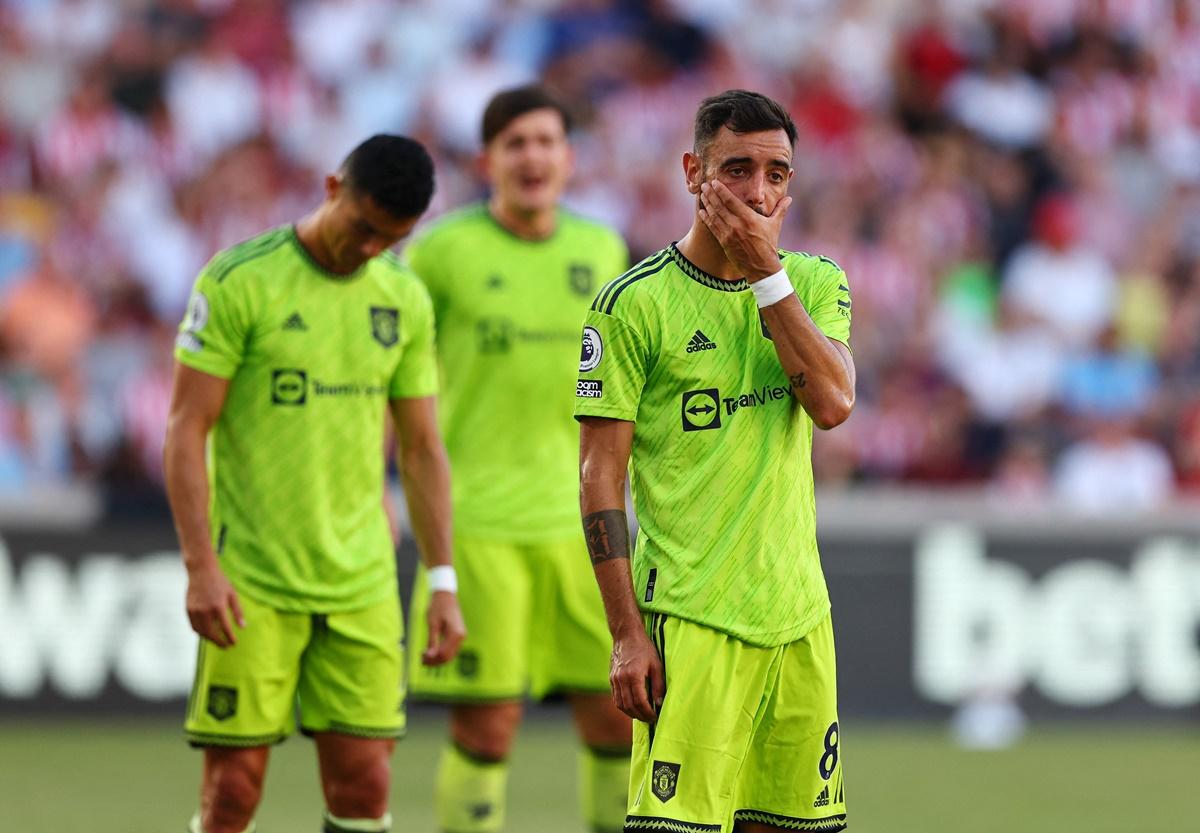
pixel 534 198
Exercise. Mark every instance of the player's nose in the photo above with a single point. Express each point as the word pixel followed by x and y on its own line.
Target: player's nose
pixel 755 194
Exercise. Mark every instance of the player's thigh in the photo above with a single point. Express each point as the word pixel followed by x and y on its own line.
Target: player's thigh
pixel 570 646
pixel 244 695
pixel 352 677
pixel 494 592
pixel 685 767
pixel 793 774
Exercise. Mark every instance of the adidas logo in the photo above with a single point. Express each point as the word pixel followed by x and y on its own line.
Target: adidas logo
pixel 295 322
pixel 700 342
pixel 823 798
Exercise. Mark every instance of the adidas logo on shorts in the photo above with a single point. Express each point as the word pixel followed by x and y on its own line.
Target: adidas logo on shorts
pixel 823 798
pixel 700 342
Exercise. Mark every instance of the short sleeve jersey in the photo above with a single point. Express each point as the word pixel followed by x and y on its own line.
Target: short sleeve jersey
pixel 297 455
pixel 508 312
pixel 721 469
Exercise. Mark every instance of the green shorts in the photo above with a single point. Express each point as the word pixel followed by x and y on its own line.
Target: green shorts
pixel 343 672
pixel 535 624
pixel 745 734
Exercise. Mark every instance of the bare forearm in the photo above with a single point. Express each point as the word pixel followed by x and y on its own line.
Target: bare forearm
pixel 425 473
pixel 820 377
pixel 607 535
pixel 187 492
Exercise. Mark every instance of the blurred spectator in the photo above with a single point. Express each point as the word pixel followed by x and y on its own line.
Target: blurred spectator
pixel 1059 280
pixel 1000 101
pixel 1108 381
pixel 1111 468
pixel 1012 187
pixel 214 98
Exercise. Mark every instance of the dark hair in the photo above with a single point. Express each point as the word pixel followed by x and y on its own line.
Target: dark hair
pixel 742 111
pixel 508 105
pixel 395 171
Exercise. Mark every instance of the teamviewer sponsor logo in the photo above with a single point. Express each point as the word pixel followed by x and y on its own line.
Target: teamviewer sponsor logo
pixel 700 410
pixel 289 387
pixel 589 388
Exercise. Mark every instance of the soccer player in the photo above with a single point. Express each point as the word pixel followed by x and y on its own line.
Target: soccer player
pixel 295 345
pixel 708 365
pixel 510 280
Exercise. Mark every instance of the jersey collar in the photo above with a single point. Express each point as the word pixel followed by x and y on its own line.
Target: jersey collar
pixel 700 276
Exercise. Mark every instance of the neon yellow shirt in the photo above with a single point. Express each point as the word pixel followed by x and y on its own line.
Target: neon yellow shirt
pixel 508 313
pixel 721 469
pixel 297 455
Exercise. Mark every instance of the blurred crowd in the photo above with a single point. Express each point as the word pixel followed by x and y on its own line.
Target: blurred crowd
pixel 1012 186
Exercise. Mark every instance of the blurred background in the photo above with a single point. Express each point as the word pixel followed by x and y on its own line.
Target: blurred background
pixel 1009 520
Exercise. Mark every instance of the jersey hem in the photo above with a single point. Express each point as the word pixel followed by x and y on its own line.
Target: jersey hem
pixel 465 533
pixel 287 604
pixel 771 639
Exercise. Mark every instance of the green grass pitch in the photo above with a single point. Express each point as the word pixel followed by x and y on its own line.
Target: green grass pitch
pixel 83 776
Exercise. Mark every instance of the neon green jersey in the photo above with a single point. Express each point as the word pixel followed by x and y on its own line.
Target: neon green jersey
pixel 721 469
pixel 296 457
pixel 508 313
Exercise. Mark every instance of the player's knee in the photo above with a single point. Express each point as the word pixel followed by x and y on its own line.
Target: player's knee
pixel 361 792
pixel 234 791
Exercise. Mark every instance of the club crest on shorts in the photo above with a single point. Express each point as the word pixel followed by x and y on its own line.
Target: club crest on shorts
pixel 385 325
pixel 663 779
pixel 222 701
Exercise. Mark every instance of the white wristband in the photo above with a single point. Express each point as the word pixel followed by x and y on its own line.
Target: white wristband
pixel 772 289
pixel 443 578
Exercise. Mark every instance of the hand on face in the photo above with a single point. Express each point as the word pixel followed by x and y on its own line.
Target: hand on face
pixel 750 239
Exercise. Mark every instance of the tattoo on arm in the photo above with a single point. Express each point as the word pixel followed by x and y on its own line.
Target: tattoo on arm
pixel 607 535
pixel 797 381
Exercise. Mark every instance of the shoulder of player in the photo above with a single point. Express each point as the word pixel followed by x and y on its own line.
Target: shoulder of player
pixel 396 277
pixel 802 266
pixel 577 225
pixel 463 220
pixel 242 257
pixel 622 293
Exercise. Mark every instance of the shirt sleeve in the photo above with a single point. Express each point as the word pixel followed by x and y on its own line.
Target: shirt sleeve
pixel 825 292
pixel 416 374
pixel 612 368
pixel 212 336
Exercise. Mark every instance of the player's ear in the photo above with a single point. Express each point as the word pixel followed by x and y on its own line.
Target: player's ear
pixel 333 184
pixel 693 172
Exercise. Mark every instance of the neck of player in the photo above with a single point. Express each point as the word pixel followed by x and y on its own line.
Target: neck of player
pixel 308 232
pixel 701 248
pixel 528 225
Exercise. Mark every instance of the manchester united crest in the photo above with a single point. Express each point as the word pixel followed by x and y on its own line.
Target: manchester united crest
pixel 222 701
pixel 663 779
pixel 385 325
